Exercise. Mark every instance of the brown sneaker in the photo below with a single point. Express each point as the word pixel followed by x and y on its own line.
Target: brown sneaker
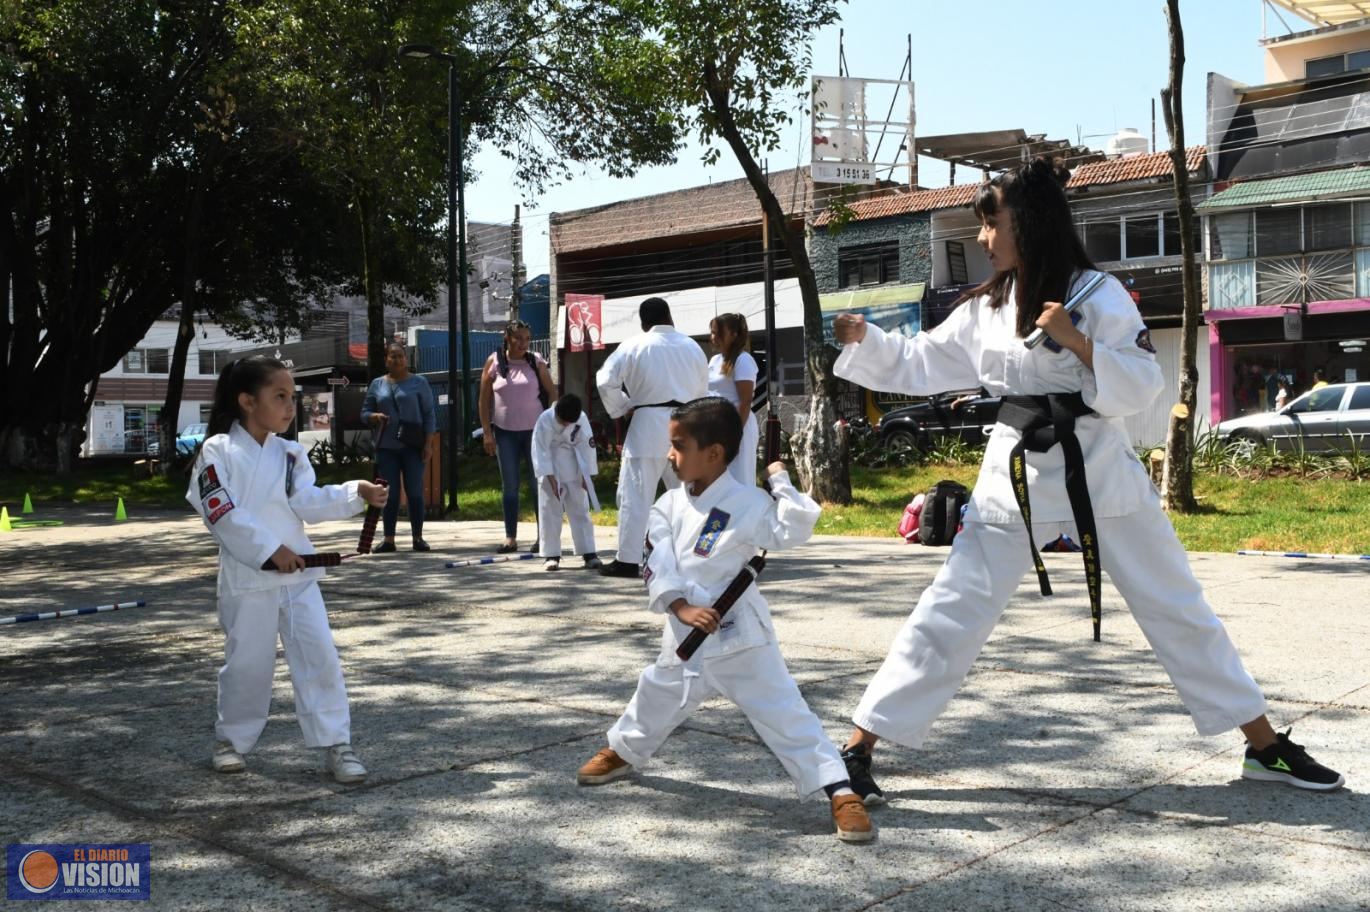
pixel 853 823
pixel 606 766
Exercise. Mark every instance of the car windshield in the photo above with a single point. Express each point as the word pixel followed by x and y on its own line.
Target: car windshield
pixel 192 430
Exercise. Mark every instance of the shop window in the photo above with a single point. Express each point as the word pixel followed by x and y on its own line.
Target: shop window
pixel 1104 241
pixel 1324 66
pixel 1230 236
pixel 1171 244
pixel 957 271
pixel 1363 224
pixel 1143 236
pixel 1327 227
pixel 158 361
pixel 1278 231
pixel 212 361
pixel 1232 285
pixel 870 264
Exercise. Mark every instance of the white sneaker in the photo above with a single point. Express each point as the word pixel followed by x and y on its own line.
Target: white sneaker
pixel 345 765
pixel 552 563
pixel 226 759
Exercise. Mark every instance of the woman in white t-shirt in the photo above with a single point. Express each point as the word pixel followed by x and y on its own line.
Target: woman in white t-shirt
pixel 732 375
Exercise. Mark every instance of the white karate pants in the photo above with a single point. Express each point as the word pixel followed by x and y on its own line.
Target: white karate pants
pixel 575 502
pixel 637 484
pixel 760 684
pixel 743 466
pixel 251 622
pixel 1147 564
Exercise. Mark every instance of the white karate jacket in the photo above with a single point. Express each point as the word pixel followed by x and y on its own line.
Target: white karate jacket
pixel 565 453
pixel 660 365
pixel 978 346
pixel 253 499
pixel 696 545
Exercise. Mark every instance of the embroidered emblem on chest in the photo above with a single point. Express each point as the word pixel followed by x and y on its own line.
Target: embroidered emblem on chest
pixel 289 475
pixel 209 482
pixel 713 528
pixel 1144 341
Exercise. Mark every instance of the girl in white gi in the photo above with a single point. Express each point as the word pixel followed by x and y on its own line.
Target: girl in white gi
pixel 1102 354
pixel 255 491
pixel 565 464
pixel 732 375
pixel 699 536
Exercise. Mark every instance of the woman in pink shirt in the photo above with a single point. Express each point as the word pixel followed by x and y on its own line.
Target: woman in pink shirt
pixel 515 388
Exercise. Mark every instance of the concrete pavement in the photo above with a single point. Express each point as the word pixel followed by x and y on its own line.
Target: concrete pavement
pixel 1066 775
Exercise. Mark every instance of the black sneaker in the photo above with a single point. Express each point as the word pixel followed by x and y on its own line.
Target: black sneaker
pixel 858 761
pixel 619 568
pixel 385 547
pixel 1284 761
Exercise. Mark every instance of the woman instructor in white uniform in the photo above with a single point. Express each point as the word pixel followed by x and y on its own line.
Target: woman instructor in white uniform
pixel 1059 460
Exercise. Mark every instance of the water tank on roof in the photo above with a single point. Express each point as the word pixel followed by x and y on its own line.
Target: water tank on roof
pixel 1125 142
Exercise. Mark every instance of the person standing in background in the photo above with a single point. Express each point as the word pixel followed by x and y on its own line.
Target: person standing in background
pixel 399 407
pixel 732 375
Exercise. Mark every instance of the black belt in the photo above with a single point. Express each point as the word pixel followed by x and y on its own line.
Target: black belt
pixel 674 403
pixel 1044 422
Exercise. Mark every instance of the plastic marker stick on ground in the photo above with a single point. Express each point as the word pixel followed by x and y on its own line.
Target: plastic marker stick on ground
pixel 499 559
pixel 70 612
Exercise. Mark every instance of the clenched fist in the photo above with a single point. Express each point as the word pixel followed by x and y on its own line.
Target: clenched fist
pixel 849 327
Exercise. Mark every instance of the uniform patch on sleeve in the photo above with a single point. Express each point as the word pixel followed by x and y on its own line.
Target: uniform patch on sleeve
pixel 209 482
pixel 217 506
pixel 1144 341
pixel 713 528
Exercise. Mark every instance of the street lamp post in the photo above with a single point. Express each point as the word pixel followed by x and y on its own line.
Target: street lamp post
pixel 456 270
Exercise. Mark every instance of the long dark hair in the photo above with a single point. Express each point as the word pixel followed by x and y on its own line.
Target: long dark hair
pixel 1049 251
pixel 246 375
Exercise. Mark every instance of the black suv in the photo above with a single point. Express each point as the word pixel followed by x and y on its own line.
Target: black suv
pixel 964 414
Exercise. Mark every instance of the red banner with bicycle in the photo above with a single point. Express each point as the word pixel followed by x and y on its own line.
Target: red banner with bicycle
pixel 584 322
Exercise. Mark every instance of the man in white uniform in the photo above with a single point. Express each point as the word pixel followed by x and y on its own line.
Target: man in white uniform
pixel 648 375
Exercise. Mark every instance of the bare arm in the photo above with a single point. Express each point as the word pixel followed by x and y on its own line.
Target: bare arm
pixel 745 389
pixel 545 378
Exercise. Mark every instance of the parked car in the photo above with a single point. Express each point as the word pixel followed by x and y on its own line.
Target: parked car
pixel 190 437
pixel 1321 420
pixel 967 415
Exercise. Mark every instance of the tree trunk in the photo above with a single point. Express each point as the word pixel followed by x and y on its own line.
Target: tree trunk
pixel 1177 480
pixel 820 450
pixel 175 386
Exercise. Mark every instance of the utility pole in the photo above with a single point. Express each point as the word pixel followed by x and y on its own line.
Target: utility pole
pixel 516 254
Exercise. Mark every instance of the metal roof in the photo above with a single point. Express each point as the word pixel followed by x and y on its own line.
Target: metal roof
pixel 1294 188
pixel 1326 12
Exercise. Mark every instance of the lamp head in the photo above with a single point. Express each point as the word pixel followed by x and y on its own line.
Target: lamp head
pixel 422 51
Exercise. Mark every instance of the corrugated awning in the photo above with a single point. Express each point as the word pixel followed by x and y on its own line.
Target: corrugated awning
pixel 1327 12
pixel 1294 188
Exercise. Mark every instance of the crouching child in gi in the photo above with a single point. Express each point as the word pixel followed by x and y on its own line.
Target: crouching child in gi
pixel 564 463
pixel 699 536
pixel 255 491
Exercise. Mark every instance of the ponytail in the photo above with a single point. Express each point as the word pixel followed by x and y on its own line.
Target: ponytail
pixel 245 375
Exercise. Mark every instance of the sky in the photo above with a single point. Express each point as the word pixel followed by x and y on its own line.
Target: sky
pixel 1066 68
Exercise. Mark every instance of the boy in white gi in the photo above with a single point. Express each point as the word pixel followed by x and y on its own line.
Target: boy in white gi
pixel 699 537
pixel 254 491
pixel 565 464
pixel 647 376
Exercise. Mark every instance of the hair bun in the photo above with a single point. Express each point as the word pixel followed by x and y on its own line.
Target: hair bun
pixel 1054 168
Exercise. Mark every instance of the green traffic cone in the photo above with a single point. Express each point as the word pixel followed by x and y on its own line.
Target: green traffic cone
pixel 119 514
pixel 5 520
pixel 28 504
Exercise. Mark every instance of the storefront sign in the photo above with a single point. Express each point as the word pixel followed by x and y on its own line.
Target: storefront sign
pixel 1293 325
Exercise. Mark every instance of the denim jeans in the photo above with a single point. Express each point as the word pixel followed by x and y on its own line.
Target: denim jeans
pixel 405 463
pixel 512 448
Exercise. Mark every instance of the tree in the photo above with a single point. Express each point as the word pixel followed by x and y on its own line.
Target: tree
pixel 736 62
pixel 648 73
pixel 1177 480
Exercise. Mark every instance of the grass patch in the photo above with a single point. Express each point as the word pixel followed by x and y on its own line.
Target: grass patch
pixel 1267 514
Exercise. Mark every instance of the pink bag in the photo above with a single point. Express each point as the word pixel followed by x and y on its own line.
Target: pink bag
pixel 908 523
